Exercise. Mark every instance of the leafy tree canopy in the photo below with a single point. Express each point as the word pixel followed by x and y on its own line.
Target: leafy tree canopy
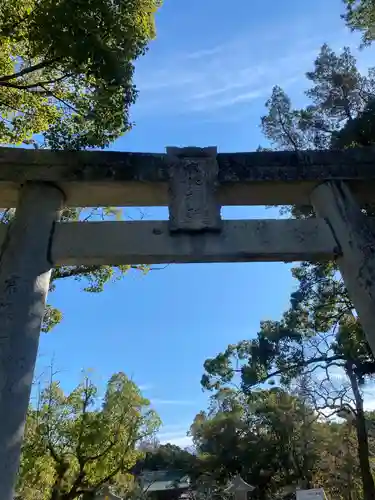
pixel 74 445
pixel 276 442
pixel 66 72
pixel 66 68
pixel 165 457
pixel 320 331
pixel 360 16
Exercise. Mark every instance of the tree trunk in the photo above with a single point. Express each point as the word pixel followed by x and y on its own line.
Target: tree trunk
pixel 362 438
pixel 61 469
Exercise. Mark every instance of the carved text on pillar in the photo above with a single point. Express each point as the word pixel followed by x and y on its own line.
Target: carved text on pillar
pixel 193 206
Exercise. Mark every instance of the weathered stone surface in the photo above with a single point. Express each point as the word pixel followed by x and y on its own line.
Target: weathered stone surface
pixel 355 235
pixel 18 165
pixel 193 205
pixel 25 266
pixel 94 178
pixel 289 166
pixel 150 242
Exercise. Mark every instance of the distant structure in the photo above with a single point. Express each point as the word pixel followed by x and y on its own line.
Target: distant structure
pixel 239 488
pixel 164 484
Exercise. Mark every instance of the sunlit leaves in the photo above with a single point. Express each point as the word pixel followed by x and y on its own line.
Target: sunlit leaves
pixel 319 327
pixel 75 443
pixel 360 16
pixel 66 68
pixel 269 437
pixel 339 112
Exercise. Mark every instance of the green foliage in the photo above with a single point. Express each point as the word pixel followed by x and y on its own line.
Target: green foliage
pixel 359 132
pixel 165 457
pixel 281 125
pixel 74 445
pixel 340 99
pixel 340 115
pixel 360 16
pixel 66 69
pixel 319 332
pixel 275 441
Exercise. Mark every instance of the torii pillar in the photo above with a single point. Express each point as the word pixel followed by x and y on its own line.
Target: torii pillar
pixel 25 270
pixel 355 237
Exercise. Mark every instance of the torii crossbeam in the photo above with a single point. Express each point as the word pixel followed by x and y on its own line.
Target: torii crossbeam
pixel 194 183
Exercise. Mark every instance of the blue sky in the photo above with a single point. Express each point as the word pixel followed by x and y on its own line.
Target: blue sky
pixel 203 82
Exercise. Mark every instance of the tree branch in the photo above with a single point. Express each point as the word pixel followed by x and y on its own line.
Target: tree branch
pixel 302 364
pixel 30 69
pixel 286 132
pixel 71 272
pixel 35 84
pixel 85 404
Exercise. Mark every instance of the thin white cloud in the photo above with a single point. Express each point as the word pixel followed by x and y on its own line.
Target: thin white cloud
pixel 162 81
pixel 145 387
pixel 178 440
pixel 201 105
pixel 217 79
pixel 205 52
pixel 175 402
pixel 175 434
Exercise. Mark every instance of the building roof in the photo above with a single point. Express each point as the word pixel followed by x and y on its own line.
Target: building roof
pixel 162 480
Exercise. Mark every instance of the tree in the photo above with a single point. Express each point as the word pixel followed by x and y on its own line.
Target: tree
pixel 316 334
pixel 341 115
pixel 165 457
pixel 320 330
pixel 206 488
pixel 359 132
pixel 360 16
pixel 338 470
pixel 275 440
pixel 73 445
pixel 338 96
pixel 268 436
pixel 66 69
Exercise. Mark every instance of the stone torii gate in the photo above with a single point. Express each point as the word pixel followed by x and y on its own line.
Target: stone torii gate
pixel 194 183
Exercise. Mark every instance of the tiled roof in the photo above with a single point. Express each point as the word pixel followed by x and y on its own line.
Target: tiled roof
pixel 164 480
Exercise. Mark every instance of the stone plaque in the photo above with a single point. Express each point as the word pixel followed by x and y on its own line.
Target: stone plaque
pixel 193 183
